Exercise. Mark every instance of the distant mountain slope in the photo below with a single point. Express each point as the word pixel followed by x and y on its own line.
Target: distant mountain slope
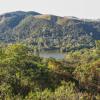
pixel 48 31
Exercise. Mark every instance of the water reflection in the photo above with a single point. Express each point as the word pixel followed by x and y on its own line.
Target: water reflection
pixel 52 54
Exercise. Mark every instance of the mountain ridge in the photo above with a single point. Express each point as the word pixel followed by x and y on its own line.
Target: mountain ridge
pixel 72 17
pixel 48 31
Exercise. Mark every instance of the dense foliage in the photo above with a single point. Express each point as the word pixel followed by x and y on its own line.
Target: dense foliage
pixel 25 76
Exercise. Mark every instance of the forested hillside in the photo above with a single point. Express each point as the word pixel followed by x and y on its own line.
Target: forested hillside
pixel 25 75
pixel 48 31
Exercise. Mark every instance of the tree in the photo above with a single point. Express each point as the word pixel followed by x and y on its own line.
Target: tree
pixel 97 42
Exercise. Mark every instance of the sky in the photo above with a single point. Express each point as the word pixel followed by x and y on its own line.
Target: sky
pixel 89 9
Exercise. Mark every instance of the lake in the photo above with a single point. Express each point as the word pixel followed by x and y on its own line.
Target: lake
pixel 52 54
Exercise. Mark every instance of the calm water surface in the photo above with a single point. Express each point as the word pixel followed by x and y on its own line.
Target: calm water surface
pixel 52 54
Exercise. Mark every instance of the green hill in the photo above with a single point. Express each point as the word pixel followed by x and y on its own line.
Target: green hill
pixel 48 31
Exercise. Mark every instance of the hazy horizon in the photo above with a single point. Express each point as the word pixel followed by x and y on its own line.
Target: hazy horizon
pixel 87 9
